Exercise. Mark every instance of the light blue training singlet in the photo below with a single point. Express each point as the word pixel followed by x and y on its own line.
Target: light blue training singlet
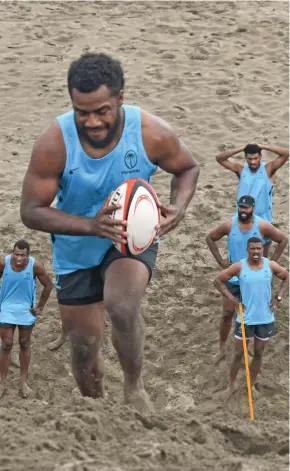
pixel 18 294
pixel 259 186
pixel 256 293
pixel 86 183
pixel 237 241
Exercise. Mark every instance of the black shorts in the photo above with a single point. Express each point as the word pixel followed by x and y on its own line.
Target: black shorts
pixel 4 325
pixel 86 286
pixel 233 289
pixel 261 331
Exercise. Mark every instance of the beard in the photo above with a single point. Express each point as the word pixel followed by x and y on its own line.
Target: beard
pixel 100 144
pixel 245 217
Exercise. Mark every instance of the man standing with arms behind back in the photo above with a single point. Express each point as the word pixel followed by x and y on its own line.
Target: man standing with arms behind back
pixel 82 157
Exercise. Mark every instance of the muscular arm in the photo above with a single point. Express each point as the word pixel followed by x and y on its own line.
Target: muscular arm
pixel 216 234
pixel 165 149
pixel 223 157
pixel 226 275
pixel 281 159
pixel 269 231
pixel 282 274
pixel 40 186
pixel 43 277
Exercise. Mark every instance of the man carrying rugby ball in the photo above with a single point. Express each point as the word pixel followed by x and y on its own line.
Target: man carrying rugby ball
pixel 81 158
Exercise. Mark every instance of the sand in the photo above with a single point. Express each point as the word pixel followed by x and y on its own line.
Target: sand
pixel 218 73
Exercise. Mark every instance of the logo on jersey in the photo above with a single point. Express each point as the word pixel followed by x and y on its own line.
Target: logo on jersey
pixel 130 159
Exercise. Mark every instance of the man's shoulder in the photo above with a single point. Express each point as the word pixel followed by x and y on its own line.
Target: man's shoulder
pixel 50 145
pixel 152 120
pixel 228 224
pixel 263 224
pixel 38 266
pixel 36 263
pixel 156 130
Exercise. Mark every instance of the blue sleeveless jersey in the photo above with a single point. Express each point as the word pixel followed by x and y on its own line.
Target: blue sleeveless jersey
pixel 86 183
pixel 237 242
pixel 256 292
pixel 259 186
pixel 18 294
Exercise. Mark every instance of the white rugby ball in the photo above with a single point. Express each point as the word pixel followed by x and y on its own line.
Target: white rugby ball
pixel 140 210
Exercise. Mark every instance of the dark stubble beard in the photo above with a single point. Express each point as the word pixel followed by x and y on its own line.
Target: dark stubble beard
pixel 108 139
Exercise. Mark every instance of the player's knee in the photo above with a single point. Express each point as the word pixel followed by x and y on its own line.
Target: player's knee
pixel 258 353
pixel 228 314
pixel 81 349
pixel 238 355
pixel 24 344
pixel 122 313
pixel 7 345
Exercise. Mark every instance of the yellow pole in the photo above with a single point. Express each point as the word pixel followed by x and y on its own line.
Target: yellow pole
pixel 248 377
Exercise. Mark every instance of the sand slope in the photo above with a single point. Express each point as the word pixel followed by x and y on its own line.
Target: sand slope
pixel 218 72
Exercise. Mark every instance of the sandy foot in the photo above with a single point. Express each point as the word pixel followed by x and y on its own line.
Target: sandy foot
pixel 139 399
pixel 25 390
pixel 225 396
pixel 219 356
pixel 255 393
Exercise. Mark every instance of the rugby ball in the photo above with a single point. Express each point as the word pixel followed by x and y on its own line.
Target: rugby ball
pixel 141 211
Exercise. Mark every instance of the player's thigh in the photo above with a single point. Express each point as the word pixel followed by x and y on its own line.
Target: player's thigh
pixel 80 298
pixel 24 333
pixel 249 333
pixel 7 332
pixel 263 333
pixel 259 347
pixel 229 307
pixel 125 284
pixel 239 346
pixel 83 320
pixel 126 278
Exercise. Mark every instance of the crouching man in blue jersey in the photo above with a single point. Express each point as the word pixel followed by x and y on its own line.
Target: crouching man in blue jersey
pixel 18 307
pixel 255 275
pixel 82 157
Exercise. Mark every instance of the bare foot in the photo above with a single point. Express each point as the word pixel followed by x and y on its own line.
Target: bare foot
pixel 220 355
pixel 2 388
pixel 57 343
pixel 229 392
pixel 138 398
pixel 25 390
pixel 255 393
pixel 99 390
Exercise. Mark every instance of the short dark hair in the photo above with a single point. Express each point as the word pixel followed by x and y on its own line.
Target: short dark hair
pixel 254 240
pixel 92 70
pixel 22 245
pixel 252 149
